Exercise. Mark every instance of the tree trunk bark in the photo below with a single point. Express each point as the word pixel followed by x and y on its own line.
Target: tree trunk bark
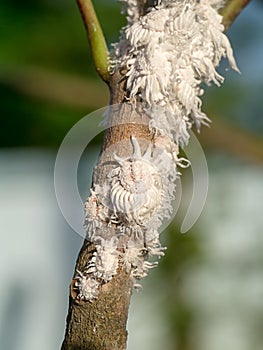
pixel 101 324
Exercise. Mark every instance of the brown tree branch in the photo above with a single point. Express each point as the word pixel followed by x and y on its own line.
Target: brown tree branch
pixel 102 323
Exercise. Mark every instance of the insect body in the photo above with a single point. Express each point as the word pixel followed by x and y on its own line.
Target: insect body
pixel 135 187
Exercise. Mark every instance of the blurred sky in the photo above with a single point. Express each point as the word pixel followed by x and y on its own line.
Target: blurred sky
pixel 207 292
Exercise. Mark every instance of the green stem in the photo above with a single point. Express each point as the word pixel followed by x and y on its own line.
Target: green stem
pixel 96 38
pixel 231 10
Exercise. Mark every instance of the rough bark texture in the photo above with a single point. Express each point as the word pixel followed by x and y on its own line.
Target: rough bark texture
pixel 102 323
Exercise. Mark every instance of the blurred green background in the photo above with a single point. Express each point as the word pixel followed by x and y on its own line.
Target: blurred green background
pixel 207 292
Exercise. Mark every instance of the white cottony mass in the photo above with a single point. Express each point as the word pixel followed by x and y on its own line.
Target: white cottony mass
pixel 167 54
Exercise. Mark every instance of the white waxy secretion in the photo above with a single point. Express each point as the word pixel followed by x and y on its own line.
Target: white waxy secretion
pixel 135 187
pixel 86 286
pixel 167 54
